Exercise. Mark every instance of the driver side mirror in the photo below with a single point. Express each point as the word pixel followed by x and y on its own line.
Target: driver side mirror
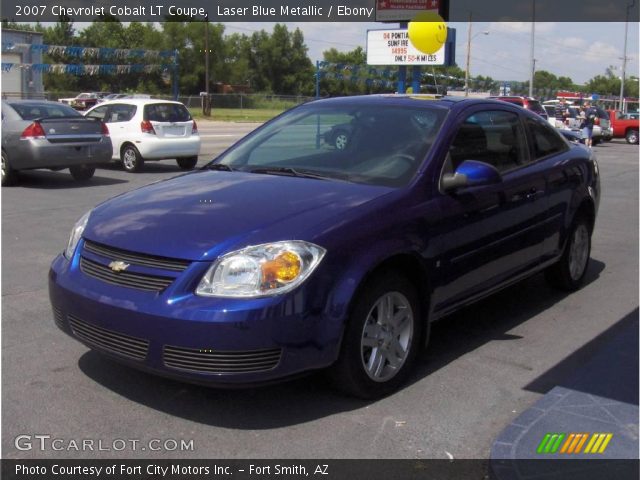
pixel 470 173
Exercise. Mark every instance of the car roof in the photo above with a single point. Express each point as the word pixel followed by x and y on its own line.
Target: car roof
pixel 435 101
pixel 19 101
pixel 139 101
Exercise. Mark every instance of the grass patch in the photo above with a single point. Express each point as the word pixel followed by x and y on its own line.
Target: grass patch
pixel 238 115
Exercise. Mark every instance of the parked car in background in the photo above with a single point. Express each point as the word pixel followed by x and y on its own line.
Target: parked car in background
pixel 67 101
pixel 288 254
pixel 84 100
pixel 149 130
pixel 603 121
pixel 624 126
pixel 42 134
pixel 551 115
pixel 570 129
pixel 524 102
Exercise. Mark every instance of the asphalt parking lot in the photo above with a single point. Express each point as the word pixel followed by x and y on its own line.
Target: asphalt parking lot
pixel 485 365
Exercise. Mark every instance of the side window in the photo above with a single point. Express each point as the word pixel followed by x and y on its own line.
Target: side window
pixel 99 113
pixel 546 141
pixel 121 113
pixel 494 137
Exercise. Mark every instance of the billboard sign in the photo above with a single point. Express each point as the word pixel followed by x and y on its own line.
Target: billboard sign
pixel 403 10
pixel 392 47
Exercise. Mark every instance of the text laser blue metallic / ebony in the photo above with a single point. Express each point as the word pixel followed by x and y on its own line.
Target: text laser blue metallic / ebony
pixel 293 252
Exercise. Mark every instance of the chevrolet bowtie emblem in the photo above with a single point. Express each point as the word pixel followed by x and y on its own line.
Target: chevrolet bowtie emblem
pixel 118 266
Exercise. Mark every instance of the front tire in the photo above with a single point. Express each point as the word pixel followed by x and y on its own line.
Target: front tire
pixel 570 271
pixel 132 161
pixel 187 163
pixel 341 140
pixel 9 175
pixel 632 137
pixel 82 173
pixel 381 338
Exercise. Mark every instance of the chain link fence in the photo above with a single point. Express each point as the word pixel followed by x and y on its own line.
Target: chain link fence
pixel 218 100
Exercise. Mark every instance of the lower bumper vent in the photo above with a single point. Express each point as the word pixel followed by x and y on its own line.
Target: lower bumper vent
pixel 214 361
pixel 114 342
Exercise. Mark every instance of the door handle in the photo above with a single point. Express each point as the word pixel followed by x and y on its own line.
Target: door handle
pixel 534 193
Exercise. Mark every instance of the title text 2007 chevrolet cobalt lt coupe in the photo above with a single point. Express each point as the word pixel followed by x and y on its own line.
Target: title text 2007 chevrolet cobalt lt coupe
pixel 288 254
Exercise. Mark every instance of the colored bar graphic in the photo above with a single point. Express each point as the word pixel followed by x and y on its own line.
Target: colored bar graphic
pixel 581 443
pixel 591 442
pixel 543 443
pixel 552 442
pixel 556 445
pixel 605 443
pixel 565 447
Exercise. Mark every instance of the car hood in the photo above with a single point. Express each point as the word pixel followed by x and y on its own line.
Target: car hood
pixel 201 215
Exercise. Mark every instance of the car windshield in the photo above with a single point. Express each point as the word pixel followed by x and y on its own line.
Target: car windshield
pixel 166 112
pixel 31 111
pixel 373 145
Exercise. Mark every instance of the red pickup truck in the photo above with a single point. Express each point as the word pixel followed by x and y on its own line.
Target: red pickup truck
pixel 624 126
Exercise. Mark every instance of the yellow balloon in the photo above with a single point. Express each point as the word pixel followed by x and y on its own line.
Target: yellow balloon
pixel 428 32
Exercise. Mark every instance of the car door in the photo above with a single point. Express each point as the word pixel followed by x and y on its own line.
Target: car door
pixel 552 155
pixel 122 125
pixel 487 236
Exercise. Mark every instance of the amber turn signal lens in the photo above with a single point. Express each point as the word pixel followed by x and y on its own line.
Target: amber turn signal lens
pixel 282 269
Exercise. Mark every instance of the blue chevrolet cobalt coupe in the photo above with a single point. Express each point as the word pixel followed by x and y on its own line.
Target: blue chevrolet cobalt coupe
pixel 292 252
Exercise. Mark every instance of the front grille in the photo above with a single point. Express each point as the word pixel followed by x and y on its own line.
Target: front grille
pixel 136 258
pixel 213 361
pixel 140 281
pixel 58 317
pixel 114 342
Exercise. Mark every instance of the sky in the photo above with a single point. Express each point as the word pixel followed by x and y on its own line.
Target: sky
pixel 576 50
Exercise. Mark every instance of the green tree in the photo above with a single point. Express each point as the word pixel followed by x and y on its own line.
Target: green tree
pixel 609 84
pixel 279 62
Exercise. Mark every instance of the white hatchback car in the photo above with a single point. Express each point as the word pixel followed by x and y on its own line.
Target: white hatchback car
pixel 146 129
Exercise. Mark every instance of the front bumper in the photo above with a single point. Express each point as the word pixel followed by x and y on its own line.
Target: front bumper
pixel 202 340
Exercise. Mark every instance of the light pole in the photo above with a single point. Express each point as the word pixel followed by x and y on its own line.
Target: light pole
pixel 206 106
pixel 469 38
pixel 533 60
pixel 624 55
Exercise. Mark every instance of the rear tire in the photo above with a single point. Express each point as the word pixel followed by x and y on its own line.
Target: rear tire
pixel 381 338
pixel 187 163
pixel 132 161
pixel 570 271
pixel 9 175
pixel 632 137
pixel 82 173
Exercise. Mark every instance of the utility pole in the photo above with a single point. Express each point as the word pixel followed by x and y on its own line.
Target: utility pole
pixel 206 105
pixel 624 56
pixel 533 60
pixel 466 72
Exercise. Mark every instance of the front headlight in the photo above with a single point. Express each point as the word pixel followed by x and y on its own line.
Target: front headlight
pixel 261 270
pixel 76 234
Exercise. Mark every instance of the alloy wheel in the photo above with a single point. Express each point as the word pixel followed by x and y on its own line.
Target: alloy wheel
pixel 386 337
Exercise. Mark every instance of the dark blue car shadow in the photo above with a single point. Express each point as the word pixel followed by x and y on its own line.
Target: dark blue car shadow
pixel 311 397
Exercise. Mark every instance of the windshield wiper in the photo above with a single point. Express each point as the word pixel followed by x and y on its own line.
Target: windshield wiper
pixel 220 166
pixel 289 171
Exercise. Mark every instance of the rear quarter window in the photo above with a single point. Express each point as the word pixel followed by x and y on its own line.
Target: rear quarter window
pixel 166 112
pixel 546 141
